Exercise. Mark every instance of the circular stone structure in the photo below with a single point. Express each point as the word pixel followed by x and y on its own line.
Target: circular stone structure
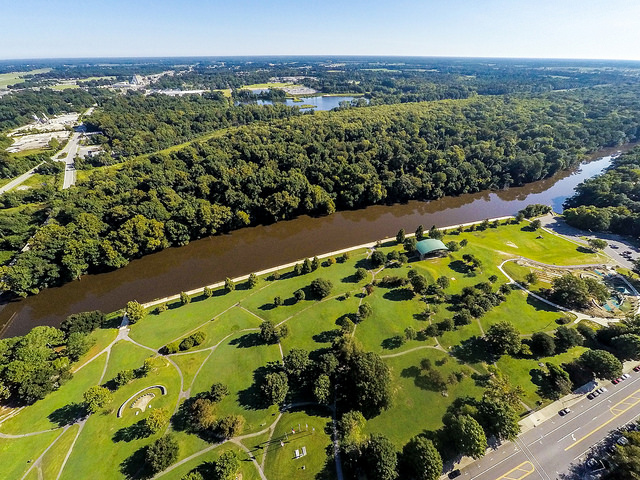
pixel 141 401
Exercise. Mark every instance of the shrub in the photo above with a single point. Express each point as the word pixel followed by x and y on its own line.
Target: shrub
pixel 321 287
pixel 229 286
pixel 299 295
pixel 161 308
pixel 208 292
pixel 277 301
pixel 184 298
pixel 172 347
pixel 252 281
pixel 123 377
pixel 187 343
pixel 361 274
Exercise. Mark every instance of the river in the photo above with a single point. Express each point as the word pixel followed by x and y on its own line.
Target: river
pixel 211 259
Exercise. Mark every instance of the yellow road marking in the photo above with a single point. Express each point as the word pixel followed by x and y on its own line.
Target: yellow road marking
pixel 616 410
pixel 526 467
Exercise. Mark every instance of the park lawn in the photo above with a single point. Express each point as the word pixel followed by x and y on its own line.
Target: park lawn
pixel 13 78
pixel 527 313
pixel 225 91
pixel 271 85
pixel 64 86
pixel 393 311
pixel 35 417
pixel 38 180
pixel 281 461
pixel 16 452
pixel 125 356
pixel 550 249
pixel 103 430
pixel 518 370
pixel 416 408
pixel 316 326
pixel 247 467
pixel 339 274
pixel 233 363
pixel 52 460
pixel 257 445
pixel 459 334
pixel 84 174
pixel 518 273
pixel 156 330
pixel 103 337
pixel 189 365
pixel 221 327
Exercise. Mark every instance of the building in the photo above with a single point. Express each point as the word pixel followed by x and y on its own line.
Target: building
pixel 431 248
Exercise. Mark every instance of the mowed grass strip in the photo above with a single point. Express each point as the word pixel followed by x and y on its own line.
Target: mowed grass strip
pixel 43 414
pixel 15 453
pixel 125 356
pixel 52 460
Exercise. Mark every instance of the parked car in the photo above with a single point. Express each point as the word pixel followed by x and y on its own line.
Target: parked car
pixel 593 395
pixel 614 246
pixel 622 441
pixel 625 376
pixel 616 381
pixel 564 411
pixel 454 474
pixel 602 390
pixel 636 368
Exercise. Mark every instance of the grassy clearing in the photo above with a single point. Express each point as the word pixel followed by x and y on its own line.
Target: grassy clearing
pixel 125 355
pixel 84 175
pixel 16 452
pixel 45 413
pixel 189 364
pixel 233 363
pixel 310 433
pixel 519 372
pixel 272 85
pixel 102 337
pixel 64 86
pixel 416 406
pixel 52 460
pixel 13 78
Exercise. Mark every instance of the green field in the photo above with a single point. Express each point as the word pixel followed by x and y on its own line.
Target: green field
pixel 233 354
pixel 14 78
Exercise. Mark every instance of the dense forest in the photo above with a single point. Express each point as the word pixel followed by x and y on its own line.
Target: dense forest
pixel 315 164
pixel 611 201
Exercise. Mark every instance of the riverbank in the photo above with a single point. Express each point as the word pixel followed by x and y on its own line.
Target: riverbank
pixel 267 271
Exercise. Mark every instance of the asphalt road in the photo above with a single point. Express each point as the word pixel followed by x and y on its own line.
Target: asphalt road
pixel 70 149
pixel 548 450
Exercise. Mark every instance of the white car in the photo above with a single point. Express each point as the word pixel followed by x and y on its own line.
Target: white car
pixel 625 376
pixel 601 390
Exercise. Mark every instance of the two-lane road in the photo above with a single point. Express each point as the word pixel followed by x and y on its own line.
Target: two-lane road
pixel 548 450
pixel 68 155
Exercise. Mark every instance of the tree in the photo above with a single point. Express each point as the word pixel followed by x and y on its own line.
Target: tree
pixel 202 414
pixel 208 292
pixel 123 377
pixel 400 237
pixel 468 436
pixel 229 286
pixel 296 363
pixel 419 283
pixel 306 266
pixel 499 418
pixel 380 460
pixel 231 426
pixel 227 465
pixel 277 301
pixel 361 274
pixel 435 233
pixel 566 337
pixel 542 344
pixel 321 287
pixel 134 311
pixel 419 232
pixel 556 382
pixel 322 389
pixel 421 459
pixel 377 259
pixel 252 281
pixel 157 419
pixel 536 224
pixel 443 282
pixel 299 295
pixel 269 332
pixel 410 245
pixel 364 311
pixel 77 345
pixel 275 388
pixel 531 278
pixel 503 337
pixel 315 263
pixel 85 322
pixel 97 397
pixel 162 453
pixel 627 346
pixel 367 383
pixel 218 391
pixel 575 292
pixel 596 244
pixel 602 363
pixel 185 299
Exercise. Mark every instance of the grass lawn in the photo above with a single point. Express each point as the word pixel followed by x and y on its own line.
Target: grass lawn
pixel 527 313
pixel 64 86
pixel 518 370
pixel 416 407
pixel 36 417
pixel 281 461
pixel 271 85
pixel 189 364
pixel 84 175
pixel 114 438
pixel 233 363
pixel 247 467
pixel 14 78
pixel 103 337
pixel 16 452
pixel 125 355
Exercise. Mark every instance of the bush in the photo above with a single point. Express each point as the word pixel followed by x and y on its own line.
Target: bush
pixel 123 377
pixel 173 347
pixel 184 298
pixel 161 308
pixel 277 301
pixel 252 281
pixel 360 274
pixel 208 292
pixel 85 322
pixel 377 259
pixel 299 295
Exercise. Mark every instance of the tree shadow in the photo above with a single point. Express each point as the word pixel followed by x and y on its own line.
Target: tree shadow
pixel 68 414
pixel 459 266
pixel 584 250
pixel 327 336
pixel 247 341
pixel 251 398
pixel 472 350
pixel 410 372
pixel 392 343
pixel 135 466
pixel 399 295
pixel 350 279
pixel 132 432
pixel 267 306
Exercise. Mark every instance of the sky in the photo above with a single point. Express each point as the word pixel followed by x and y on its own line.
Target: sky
pixel 599 29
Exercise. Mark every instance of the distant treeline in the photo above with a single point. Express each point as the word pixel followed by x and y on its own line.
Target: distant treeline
pixel 314 164
pixel 611 201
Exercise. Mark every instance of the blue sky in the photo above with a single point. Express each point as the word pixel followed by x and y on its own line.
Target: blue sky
pixel 490 28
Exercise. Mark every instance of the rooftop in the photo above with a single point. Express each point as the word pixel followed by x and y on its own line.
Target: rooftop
pixel 430 245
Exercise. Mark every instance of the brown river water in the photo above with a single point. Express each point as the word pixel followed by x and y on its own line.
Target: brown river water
pixel 211 259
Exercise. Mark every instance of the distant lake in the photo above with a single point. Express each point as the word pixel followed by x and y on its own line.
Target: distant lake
pixel 321 103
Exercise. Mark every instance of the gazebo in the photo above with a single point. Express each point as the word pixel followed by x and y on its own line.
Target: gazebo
pixel 431 247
